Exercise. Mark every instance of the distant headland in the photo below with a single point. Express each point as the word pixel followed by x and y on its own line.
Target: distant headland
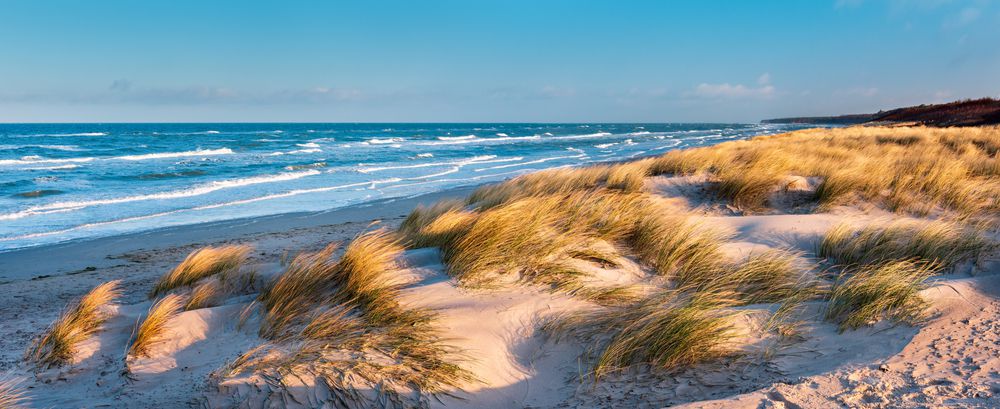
pixel 970 112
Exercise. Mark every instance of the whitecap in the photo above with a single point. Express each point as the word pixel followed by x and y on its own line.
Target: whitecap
pixel 34 160
pixel 457 138
pixel 176 194
pixel 308 145
pixel 501 134
pixel 385 141
pixel 425 155
pixel 162 155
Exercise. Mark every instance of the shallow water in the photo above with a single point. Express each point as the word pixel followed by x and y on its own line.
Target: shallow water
pixel 71 181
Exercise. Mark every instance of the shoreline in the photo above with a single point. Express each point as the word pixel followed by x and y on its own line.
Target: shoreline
pixel 87 254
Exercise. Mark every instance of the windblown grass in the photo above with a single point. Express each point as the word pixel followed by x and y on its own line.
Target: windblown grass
pixel 153 327
pixel 361 277
pixel 340 321
pixel 434 225
pixel 12 393
pixel 201 263
pixel 890 290
pixel 206 294
pixel 946 243
pixel 907 170
pixel 77 323
pixel 667 331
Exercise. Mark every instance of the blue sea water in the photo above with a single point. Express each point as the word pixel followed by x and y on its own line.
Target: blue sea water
pixel 63 182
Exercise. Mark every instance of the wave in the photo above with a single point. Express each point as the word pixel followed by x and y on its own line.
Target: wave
pixel 176 194
pixel 474 159
pixel 457 138
pixel 35 160
pixel 198 152
pixel 70 134
pixel 296 152
pixel 386 141
pixel 308 145
pixel 479 140
pixel 60 167
pixel 605 145
pixel 533 162
pixel 639 133
pixel 501 134
pixel 425 155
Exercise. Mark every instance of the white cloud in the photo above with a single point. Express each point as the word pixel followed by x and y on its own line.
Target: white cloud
pixel 764 79
pixel 731 91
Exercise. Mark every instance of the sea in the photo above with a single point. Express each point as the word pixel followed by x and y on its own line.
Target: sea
pixel 61 182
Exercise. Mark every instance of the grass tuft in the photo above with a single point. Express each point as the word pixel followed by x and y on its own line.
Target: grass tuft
pixel 201 263
pixel 890 290
pixel 151 331
pixel 206 294
pixel 77 323
pixel 946 243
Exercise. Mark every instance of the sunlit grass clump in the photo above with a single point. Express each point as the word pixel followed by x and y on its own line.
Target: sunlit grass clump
pixel 78 322
pixel 340 320
pixel 152 330
pixel 883 291
pixel 667 331
pixel 947 243
pixel 202 263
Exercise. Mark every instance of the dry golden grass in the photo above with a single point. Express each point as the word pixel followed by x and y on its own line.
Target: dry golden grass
pixel 434 225
pixel 341 322
pixel 12 393
pixel 946 243
pixel 889 290
pixel 903 169
pixel 77 323
pixel 670 330
pixel 206 294
pixel 153 327
pixel 201 263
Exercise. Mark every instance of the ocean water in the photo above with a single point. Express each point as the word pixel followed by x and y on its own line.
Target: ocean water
pixel 63 182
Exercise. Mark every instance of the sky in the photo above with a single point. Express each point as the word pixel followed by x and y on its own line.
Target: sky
pixel 488 61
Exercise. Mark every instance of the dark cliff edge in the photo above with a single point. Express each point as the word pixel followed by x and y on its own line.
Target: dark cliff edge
pixel 971 112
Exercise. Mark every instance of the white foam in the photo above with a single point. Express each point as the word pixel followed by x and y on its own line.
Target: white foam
pixel 73 134
pixel 605 145
pixel 176 194
pixel 463 162
pixel 502 134
pixel 35 160
pixel 425 155
pixel 457 138
pixel 385 141
pixel 533 162
pixel 308 145
pixel 164 155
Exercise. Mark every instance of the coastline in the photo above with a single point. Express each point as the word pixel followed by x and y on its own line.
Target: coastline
pixel 82 255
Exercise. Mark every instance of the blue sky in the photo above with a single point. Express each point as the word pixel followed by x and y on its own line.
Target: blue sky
pixel 496 61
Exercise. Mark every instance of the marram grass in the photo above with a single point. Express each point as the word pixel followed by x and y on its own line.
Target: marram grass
pixel 201 263
pixel 77 323
pixel 152 330
pixel 883 291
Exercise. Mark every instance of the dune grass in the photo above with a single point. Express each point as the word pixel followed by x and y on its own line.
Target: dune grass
pixel 340 321
pixel 77 323
pixel 889 290
pixel 201 263
pixel 669 330
pixel 944 242
pixel 911 170
pixel 12 393
pixel 152 329
pixel 206 294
